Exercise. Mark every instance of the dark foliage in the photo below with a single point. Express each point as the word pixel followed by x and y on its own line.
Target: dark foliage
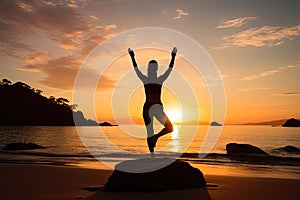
pixel 20 105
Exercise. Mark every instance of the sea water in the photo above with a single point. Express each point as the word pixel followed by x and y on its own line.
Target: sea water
pixel 88 146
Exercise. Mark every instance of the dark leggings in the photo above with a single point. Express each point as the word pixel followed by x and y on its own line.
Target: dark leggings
pixel 156 110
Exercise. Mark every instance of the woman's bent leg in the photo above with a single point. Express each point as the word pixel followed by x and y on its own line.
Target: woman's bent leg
pixel 164 120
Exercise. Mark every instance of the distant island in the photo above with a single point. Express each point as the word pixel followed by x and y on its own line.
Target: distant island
pixel 107 124
pixel 215 124
pixel 292 123
pixel 23 105
pixel 278 122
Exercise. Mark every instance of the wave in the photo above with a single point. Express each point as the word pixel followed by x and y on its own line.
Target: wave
pixel 45 154
pixel 210 158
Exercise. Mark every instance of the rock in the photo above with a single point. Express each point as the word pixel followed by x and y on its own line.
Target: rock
pixel 251 154
pixel 215 124
pixel 177 175
pixel 292 123
pixel 235 149
pixel 288 149
pixel 106 124
pixel 22 146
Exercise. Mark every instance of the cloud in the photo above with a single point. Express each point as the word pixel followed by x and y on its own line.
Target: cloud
pixel 288 94
pixel 266 36
pixel 269 72
pixel 59 22
pixel 253 89
pixel 94 17
pixel 9 44
pixel 21 19
pixel 237 22
pixel 109 27
pixel 61 73
pixel 38 56
pixel 29 68
pixel 68 3
pixel 180 14
pixel 25 7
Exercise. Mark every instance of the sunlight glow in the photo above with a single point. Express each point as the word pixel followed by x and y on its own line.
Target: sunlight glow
pixel 174 115
pixel 174 134
pixel 175 143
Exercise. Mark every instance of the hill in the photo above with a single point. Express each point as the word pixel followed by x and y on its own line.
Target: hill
pixel 23 105
pixel 273 123
pixel 292 123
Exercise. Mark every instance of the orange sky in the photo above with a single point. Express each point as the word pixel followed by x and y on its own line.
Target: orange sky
pixel 255 46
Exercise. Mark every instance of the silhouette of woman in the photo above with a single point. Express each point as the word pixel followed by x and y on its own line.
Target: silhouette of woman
pixel 153 106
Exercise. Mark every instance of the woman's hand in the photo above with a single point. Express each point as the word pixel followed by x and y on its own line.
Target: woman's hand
pixel 174 51
pixel 131 53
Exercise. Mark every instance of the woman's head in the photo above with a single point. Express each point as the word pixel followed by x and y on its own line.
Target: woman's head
pixel 152 67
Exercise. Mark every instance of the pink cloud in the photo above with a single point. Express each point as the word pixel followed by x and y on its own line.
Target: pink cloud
pixel 263 36
pixel 269 72
pixel 94 17
pixel 60 22
pixel 237 22
pixel 180 14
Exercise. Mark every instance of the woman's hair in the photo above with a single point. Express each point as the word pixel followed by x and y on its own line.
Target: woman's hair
pixel 153 61
pixel 152 66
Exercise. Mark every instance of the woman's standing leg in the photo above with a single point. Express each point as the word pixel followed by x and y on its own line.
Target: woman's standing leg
pixel 148 120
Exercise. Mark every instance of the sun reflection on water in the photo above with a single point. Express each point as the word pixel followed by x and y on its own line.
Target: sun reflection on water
pixel 175 143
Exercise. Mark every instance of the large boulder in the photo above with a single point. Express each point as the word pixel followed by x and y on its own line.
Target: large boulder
pixel 176 175
pixel 292 123
pixel 245 149
pixel 22 146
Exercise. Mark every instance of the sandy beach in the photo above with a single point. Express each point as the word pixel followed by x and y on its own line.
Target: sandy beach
pixel 27 181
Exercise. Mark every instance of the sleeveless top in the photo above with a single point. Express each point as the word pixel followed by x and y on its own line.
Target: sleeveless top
pixel 153 93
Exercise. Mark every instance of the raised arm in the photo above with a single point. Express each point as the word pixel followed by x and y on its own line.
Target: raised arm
pixel 163 77
pixel 141 76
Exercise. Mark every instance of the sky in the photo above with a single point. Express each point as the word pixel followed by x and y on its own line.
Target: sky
pixel 254 44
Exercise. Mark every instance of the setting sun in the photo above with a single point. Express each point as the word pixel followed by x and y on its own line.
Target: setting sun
pixel 174 115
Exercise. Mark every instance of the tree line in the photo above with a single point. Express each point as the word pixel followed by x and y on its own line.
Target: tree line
pixel 60 101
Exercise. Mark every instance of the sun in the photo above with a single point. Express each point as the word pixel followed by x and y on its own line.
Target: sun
pixel 174 115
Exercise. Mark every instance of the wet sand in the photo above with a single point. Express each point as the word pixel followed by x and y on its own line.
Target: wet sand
pixel 35 182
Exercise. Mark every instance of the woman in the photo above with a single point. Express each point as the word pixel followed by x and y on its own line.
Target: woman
pixel 153 106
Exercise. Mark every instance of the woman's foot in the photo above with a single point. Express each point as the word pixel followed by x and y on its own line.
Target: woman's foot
pixel 152 142
pixel 152 154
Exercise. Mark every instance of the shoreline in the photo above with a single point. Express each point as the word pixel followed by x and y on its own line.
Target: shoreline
pixel 39 181
pixel 207 166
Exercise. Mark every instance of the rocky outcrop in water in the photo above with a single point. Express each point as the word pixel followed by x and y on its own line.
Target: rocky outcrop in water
pixel 22 146
pixel 235 149
pixel 251 154
pixel 288 149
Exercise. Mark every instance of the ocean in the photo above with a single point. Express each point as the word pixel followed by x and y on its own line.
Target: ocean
pixel 90 146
